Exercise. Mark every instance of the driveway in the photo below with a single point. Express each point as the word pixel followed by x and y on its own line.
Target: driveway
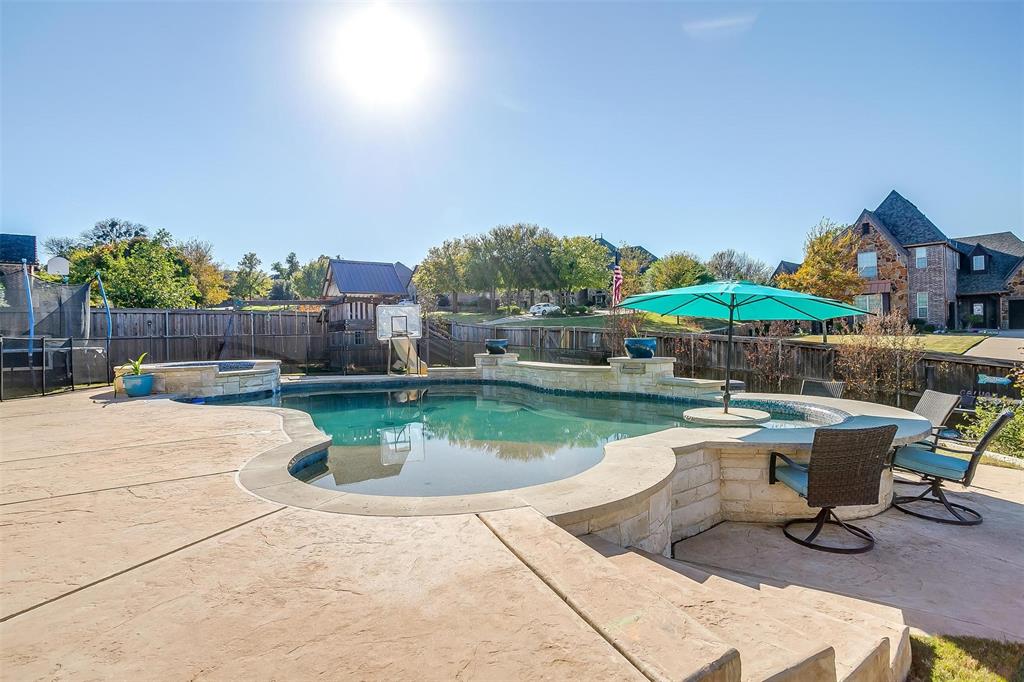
pixel 1001 347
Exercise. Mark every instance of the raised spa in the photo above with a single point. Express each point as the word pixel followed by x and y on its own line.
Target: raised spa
pixel 464 439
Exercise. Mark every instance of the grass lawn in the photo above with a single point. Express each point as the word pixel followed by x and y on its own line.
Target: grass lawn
pixel 965 659
pixel 939 343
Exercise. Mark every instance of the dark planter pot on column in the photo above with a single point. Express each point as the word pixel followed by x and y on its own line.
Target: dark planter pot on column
pixel 641 348
pixel 496 346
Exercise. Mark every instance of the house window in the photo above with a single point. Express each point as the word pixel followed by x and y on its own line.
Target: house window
pixel 865 228
pixel 921 257
pixel 977 263
pixel 922 305
pixel 867 264
pixel 978 309
pixel 869 302
pixel 358 338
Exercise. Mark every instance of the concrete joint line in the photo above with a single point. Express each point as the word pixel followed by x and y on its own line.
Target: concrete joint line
pixel 641 668
pixel 119 487
pixel 139 565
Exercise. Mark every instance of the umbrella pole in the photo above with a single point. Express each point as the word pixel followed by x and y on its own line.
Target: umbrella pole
pixel 728 353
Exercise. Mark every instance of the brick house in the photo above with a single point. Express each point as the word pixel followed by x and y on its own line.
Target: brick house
pixel 910 265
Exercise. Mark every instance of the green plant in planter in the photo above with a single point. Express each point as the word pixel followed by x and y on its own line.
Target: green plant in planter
pixel 134 366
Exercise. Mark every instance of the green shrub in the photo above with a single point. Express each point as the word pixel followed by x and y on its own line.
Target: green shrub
pixel 576 310
pixel 918 324
pixel 1010 440
pixel 510 309
pixel 928 328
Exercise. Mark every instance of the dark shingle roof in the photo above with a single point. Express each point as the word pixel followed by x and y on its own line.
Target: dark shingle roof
pixel 365 277
pixel 14 247
pixel 906 223
pixel 785 267
pixel 1005 250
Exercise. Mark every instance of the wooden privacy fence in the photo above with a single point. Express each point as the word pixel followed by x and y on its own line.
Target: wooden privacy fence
pixel 703 356
pixel 296 338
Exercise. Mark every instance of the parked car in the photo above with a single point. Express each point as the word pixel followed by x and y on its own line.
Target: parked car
pixel 545 309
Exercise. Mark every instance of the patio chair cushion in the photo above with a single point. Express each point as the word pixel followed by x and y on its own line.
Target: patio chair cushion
pixel 924 461
pixel 794 478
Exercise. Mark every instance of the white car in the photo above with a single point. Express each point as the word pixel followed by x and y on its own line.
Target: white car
pixel 545 309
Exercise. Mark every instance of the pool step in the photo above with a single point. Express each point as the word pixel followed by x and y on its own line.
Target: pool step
pixel 861 643
pixel 659 639
pixel 881 618
pixel 770 649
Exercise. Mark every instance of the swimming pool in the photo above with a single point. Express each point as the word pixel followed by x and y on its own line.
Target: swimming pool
pixel 464 439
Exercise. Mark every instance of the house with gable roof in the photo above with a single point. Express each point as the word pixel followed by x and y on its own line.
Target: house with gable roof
pixel 910 265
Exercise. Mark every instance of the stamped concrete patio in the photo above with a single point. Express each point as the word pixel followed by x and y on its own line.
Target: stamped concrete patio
pixel 129 551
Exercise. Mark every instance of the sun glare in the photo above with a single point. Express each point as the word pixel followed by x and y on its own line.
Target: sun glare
pixel 383 57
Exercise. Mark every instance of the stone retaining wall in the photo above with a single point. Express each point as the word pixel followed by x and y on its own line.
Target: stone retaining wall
pixel 645 524
pixel 711 485
pixel 207 380
pixel 652 376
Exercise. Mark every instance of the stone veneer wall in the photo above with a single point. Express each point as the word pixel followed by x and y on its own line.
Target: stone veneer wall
pixel 1015 285
pixel 645 524
pixel 652 376
pixel 892 264
pixel 207 381
pixel 711 485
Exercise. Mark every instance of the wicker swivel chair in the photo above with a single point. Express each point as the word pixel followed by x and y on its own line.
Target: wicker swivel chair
pixel 845 469
pixel 936 408
pixel 934 468
pixel 822 389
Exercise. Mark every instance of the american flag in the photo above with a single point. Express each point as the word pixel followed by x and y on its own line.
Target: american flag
pixel 616 285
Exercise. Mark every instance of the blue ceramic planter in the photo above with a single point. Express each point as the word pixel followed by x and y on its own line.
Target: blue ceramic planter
pixel 496 346
pixel 641 348
pixel 137 385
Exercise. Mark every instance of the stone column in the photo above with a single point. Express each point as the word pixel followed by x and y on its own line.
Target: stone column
pixel 635 375
pixel 489 366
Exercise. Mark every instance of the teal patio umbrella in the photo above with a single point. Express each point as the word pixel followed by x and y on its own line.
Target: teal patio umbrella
pixel 740 302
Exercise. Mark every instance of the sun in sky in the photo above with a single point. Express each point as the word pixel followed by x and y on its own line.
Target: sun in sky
pixel 383 57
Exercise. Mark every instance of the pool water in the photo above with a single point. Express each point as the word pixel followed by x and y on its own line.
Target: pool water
pixel 457 440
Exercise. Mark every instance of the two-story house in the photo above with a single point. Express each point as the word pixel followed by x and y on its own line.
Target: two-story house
pixel 910 265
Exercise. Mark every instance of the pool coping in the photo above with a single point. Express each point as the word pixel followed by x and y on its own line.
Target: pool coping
pixel 632 470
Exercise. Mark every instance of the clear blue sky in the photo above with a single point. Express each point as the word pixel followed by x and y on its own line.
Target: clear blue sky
pixel 676 126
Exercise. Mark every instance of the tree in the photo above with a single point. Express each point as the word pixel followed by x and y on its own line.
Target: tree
pixel 308 282
pixel 633 263
pixel 829 268
pixel 675 270
pixel 62 246
pixel 207 275
pixel 140 273
pixel 736 265
pixel 481 272
pixel 250 281
pixel 513 251
pixel 443 271
pixel 579 263
pixel 289 269
pixel 113 230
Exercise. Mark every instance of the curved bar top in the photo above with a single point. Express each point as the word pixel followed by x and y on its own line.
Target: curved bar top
pixel 647 491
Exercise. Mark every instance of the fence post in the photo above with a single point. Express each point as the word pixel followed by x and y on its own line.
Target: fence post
pixel 42 363
pixel 252 334
pixel 167 334
pixel 195 346
pixel 71 360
